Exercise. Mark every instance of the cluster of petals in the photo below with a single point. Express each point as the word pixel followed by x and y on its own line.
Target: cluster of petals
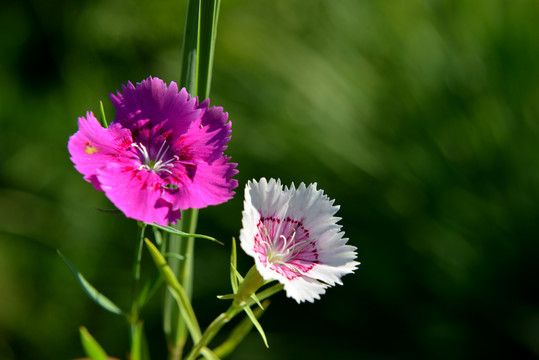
pixel 294 238
pixel 163 152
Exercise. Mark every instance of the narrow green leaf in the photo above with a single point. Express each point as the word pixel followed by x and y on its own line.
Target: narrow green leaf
pixel 95 295
pixel 177 291
pixel 189 49
pixel 175 231
pixel 237 274
pixel 257 325
pixel 91 346
pixel 208 14
pixel 226 297
pixel 208 354
pixel 233 265
pixel 174 256
pixel 266 293
pixel 234 254
pixel 255 299
pixel 238 333
pixel 103 117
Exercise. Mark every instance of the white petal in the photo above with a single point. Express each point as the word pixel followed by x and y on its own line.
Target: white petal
pixel 304 289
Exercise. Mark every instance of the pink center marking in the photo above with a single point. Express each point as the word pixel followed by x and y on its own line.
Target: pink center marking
pixel 284 246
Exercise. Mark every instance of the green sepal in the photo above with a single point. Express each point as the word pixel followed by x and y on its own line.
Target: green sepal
pixel 257 325
pixel 248 286
pixel 95 295
pixel 175 231
pixel 177 291
pixel 91 346
pixel 103 117
pixel 237 276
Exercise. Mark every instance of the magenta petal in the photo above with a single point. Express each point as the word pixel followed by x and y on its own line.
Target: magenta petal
pixel 151 100
pixel 211 185
pixel 93 146
pixel 137 193
pixel 208 135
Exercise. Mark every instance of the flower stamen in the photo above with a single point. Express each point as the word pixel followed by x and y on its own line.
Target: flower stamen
pixel 157 165
pixel 282 252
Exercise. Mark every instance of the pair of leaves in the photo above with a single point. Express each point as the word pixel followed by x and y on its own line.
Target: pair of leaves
pixel 235 280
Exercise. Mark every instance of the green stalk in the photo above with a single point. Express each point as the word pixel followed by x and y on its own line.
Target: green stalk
pixel 196 72
pixel 207 33
pixel 188 75
pixel 243 302
pixel 135 324
pixel 175 327
pixel 212 330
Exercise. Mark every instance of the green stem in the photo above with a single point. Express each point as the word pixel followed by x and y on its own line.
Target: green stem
pixel 196 70
pixel 135 324
pixel 236 336
pixel 232 311
pixel 188 67
pixel 212 330
pixel 207 33
pixel 175 327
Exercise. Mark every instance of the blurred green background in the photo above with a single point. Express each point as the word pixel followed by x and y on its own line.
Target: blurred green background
pixel 419 117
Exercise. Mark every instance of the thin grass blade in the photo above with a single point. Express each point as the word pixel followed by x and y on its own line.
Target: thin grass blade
pixel 94 294
pixel 175 231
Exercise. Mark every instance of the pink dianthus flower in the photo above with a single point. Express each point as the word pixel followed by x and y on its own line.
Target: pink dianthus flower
pixel 162 153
